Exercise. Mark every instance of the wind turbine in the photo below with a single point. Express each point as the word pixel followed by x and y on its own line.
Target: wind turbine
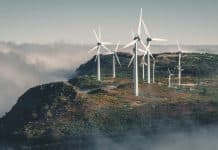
pixel 149 39
pixel 136 40
pixel 179 65
pixel 115 57
pixel 98 47
pixel 143 63
pixel 169 78
pixel 154 65
pixel 148 52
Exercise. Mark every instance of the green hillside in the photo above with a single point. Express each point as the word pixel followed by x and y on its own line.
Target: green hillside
pixel 83 107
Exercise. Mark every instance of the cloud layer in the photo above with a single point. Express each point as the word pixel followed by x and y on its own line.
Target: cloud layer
pixel 199 139
pixel 27 65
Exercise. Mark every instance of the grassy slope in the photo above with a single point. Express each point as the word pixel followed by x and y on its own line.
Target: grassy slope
pixel 115 111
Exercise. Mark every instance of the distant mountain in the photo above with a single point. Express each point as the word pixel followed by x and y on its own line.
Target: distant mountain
pixel 83 107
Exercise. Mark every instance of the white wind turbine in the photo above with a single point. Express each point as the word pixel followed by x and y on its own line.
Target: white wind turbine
pixel 136 40
pixel 143 63
pixel 179 65
pixel 169 78
pixel 154 65
pixel 149 55
pixel 149 39
pixel 115 57
pixel 98 47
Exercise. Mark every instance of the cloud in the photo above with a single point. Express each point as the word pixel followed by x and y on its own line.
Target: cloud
pixel 27 65
pixel 198 139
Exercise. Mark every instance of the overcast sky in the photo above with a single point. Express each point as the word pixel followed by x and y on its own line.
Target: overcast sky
pixel 45 21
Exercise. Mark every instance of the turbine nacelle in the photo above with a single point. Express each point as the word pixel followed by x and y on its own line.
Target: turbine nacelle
pixel 149 39
pixel 137 38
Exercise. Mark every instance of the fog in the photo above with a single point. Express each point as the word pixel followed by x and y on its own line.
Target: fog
pixel 27 65
pixel 202 138
pixel 198 139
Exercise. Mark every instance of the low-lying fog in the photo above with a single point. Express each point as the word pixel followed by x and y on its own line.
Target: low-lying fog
pixel 199 139
pixel 26 65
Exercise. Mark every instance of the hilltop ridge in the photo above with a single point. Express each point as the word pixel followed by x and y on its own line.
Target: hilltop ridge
pixel 83 107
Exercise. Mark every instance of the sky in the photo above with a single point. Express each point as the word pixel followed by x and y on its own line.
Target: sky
pixel 192 22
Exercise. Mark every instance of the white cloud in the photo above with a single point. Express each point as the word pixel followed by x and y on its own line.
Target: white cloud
pixel 198 139
pixel 28 65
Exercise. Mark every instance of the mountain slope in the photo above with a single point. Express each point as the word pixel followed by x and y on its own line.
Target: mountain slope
pixel 83 107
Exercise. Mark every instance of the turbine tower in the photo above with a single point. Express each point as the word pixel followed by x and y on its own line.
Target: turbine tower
pixel 149 54
pixel 98 47
pixel 179 65
pixel 169 78
pixel 149 39
pixel 136 41
pixel 154 65
pixel 143 63
pixel 115 57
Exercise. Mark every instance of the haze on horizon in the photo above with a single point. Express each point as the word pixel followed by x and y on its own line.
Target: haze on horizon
pixel 46 21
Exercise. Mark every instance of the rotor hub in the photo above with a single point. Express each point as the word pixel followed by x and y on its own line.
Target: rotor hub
pixel 98 43
pixel 137 38
pixel 149 39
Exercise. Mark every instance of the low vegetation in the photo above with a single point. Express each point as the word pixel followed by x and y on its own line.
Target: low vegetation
pixel 84 107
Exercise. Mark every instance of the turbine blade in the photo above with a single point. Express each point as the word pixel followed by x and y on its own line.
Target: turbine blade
pixel 96 36
pixel 106 43
pixel 117 58
pixel 130 44
pixel 94 48
pixel 96 58
pixel 159 40
pixel 151 54
pixel 99 33
pixel 133 34
pixel 117 46
pixel 105 47
pixel 145 29
pixel 145 54
pixel 140 23
pixel 149 45
pixel 131 60
pixel 179 48
pixel 144 45
pixel 142 50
